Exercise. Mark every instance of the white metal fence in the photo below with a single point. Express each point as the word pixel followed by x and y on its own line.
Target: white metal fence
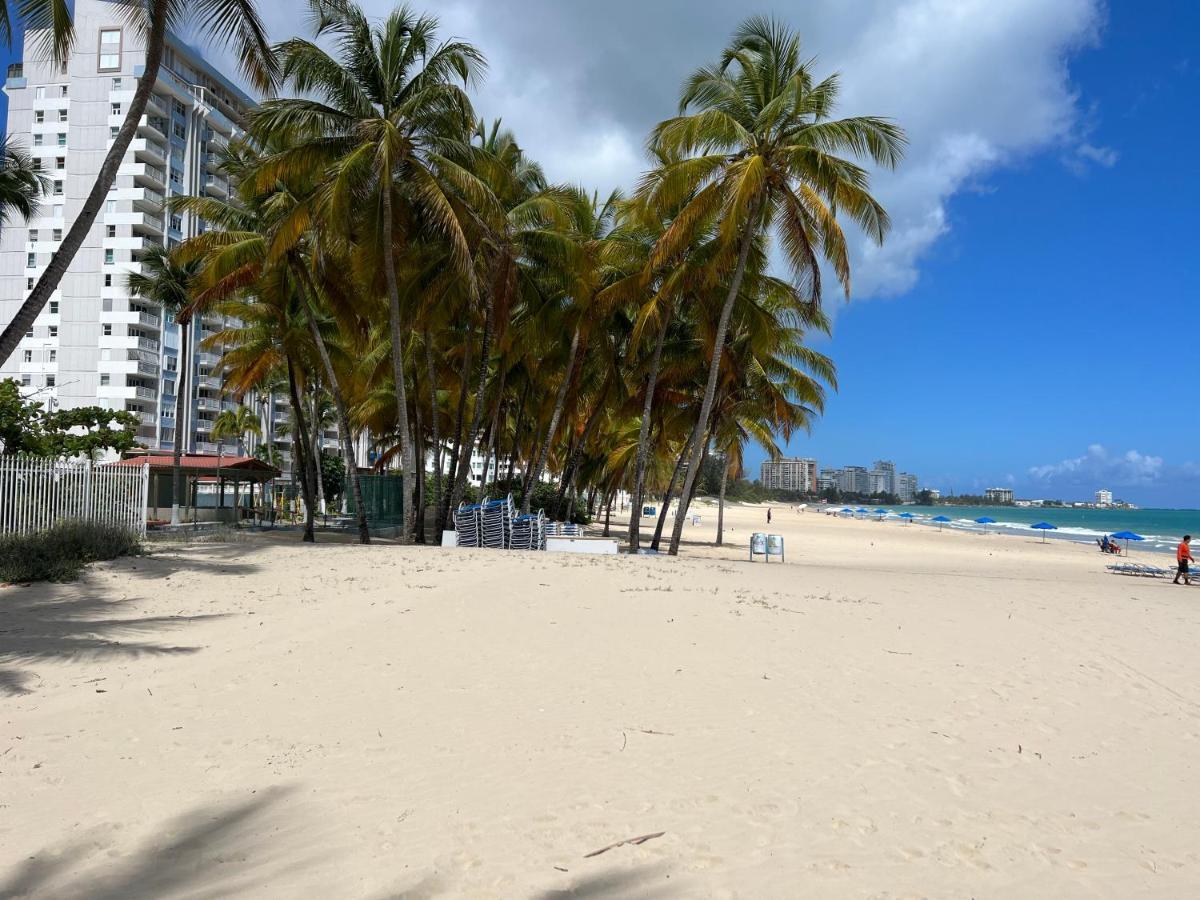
pixel 35 493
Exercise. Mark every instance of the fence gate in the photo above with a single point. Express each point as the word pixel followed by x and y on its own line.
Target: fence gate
pixel 35 493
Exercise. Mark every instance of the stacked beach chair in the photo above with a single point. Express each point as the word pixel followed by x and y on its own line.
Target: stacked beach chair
pixel 528 532
pixel 564 529
pixel 467 524
pixel 496 518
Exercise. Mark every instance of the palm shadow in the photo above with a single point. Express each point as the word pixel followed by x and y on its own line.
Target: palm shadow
pixel 51 623
pixel 210 851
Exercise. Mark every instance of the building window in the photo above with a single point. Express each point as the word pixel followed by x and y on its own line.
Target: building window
pixel 54 307
pixel 37 164
pixel 29 284
pixel 33 235
pixel 108 281
pixel 62 69
pixel 26 380
pixel 39 116
pixel 108 257
pixel 110 49
pixel 58 188
pixel 53 356
pixel 176 223
pixel 57 234
pixel 27 356
pixel 115 109
pixel 110 206
pixel 53 331
pixel 107 329
pixel 180 130
pixel 179 110
pixel 60 163
pixel 50 381
pixel 113 131
pixel 116 84
pixel 40 93
pixel 64 90
pixel 62 115
pixel 58 211
pixel 104 379
pixel 31 260
pixel 110 230
pixel 62 139
pixel 37 139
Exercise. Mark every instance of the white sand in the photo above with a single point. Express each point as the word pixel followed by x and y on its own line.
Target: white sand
pixel 893 713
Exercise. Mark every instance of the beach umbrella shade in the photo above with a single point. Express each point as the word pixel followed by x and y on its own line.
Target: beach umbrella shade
pixel 908 517
pixel 847 509
pixel 1128 536
pixel 985 522
pixel 881 513
pixel 941 520
pixel 1043 527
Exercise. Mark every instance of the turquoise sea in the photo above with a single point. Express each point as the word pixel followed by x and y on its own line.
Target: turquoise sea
pixel 1162 528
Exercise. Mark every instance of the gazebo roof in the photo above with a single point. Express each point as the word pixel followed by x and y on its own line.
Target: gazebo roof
pixel 249 468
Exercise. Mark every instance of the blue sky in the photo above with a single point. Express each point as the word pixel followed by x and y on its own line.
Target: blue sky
pixel 1030 321
pixel 1059 313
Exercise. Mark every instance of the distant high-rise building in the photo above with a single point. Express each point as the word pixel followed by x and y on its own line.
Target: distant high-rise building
pixel 998 495
pixel 796 474
pixel 828 478
pixel 1104 498
pixel 883 476
pixel 906 487
pixel 855 480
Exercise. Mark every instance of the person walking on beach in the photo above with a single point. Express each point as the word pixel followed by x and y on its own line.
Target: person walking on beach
pixel 1183 555
pixel 768 515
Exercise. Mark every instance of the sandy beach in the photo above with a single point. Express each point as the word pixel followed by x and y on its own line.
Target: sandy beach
pixel 894 712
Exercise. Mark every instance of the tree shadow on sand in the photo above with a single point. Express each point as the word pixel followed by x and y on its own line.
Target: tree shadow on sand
pixel 211 851
pixel 636 883
pixel 50 623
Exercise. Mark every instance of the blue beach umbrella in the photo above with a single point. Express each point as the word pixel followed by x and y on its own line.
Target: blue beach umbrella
pixel 1043 527
pixel 908 517
pixel 847 509
pixel 881 513
pixel 985 522
pixel 1127 536
pixel 941 520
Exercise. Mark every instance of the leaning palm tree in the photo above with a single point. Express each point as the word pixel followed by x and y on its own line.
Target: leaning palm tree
pixel 21 185
pixel 168 282
pixel 236 423
pixel 384 114
pixel 756 149
pixel 232 23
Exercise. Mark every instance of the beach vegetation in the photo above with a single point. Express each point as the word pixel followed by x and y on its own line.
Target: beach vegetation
pixel 61 552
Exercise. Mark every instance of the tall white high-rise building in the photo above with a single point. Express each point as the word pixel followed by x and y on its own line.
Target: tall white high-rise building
pixel 796 474
pixel 94 343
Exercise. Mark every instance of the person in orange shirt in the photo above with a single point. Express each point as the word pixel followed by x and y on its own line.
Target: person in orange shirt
pixel 1183 555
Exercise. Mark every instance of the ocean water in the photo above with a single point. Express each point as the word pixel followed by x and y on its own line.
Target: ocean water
pixel 1161 528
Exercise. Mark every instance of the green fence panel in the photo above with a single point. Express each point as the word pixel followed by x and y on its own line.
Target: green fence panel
pixel 383 498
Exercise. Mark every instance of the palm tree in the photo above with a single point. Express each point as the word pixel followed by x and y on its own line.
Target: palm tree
pixel 237 423
pixel 385 116
pixel 232 23
pixel 21 185
pixel 755 148
pixel 168 282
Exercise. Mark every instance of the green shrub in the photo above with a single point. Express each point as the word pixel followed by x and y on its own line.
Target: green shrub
pixel 61 553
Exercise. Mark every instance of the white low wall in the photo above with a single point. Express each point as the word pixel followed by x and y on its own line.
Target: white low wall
pixel 581 545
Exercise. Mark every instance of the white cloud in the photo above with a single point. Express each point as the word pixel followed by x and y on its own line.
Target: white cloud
pixel 977 84
pixel 1099 467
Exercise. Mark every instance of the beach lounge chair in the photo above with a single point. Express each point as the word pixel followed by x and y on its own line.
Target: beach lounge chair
pixel 466 525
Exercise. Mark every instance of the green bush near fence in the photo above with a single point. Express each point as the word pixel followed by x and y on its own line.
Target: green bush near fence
pixel 61 553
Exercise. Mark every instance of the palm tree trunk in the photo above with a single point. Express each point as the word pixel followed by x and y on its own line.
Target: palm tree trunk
pixel 309 295
pixel 643 448
pixel 721 502
pixel 318 452
pixel 459 416
pixel 516 441
pixel 714 367
pixel 419 486
pixel 493 442
pixel 433 427
pixel 608 512
pixel 666 501
pixel 577 451
pixel 105 178
pixel 560 400
pixel 685 500
pixel 301 459
pixel 485 349
pixel 178 489
pixel 406 449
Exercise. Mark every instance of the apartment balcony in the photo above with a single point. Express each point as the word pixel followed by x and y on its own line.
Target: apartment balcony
pixel 208 383
pixel 146 418
pixel 147 199
pixel 209 404
pixel 126 392
pixel 146 175
pixel 205 358
pixel 205 447
pixel 159 107
pixel 148 151
pixel 153 127
pixel 149 223
pixel 129 342
pixel 204 426
pixel 217 185
pixel 131 317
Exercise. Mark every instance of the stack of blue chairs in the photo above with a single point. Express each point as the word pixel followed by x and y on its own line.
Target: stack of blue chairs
pixel 467 524
pixel 563 529
pixel 496 522
pixel 528 532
